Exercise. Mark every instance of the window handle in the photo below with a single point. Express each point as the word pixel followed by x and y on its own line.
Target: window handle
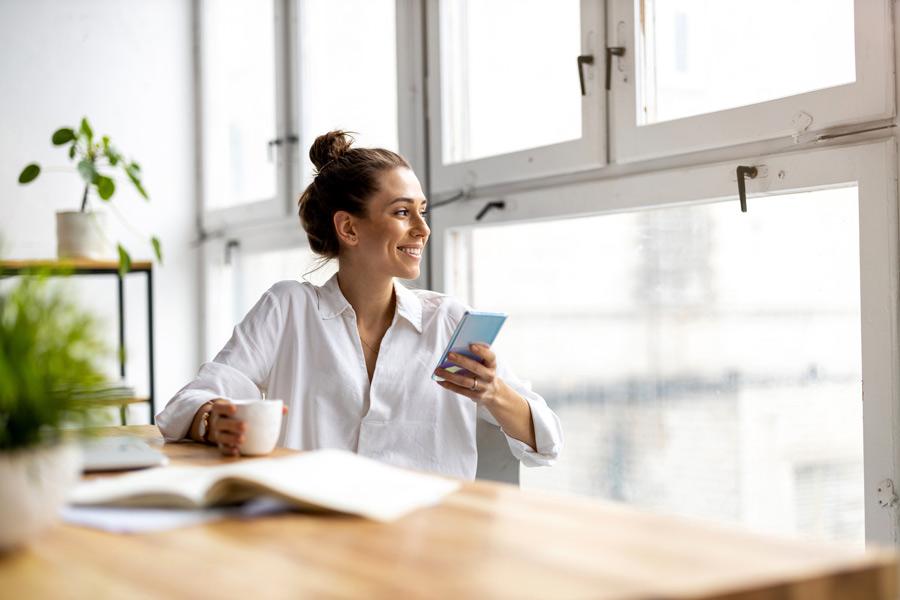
pixel 610 52
pixel 584 59
pixel 499 204
pixel 291 139
pixel 742 171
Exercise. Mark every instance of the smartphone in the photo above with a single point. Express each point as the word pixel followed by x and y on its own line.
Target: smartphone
pixel 474 327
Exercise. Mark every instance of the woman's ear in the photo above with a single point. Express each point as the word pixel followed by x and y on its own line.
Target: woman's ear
pixel 345 227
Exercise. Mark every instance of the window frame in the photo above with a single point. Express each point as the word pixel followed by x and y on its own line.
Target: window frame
pixel 870 98
pixel 587 152
pixel 258 209
pixel 872 166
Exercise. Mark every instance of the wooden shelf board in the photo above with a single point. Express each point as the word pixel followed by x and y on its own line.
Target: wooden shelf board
pixel 75 264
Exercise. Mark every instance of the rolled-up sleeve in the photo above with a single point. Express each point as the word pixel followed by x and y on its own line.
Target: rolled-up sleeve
pixel 548 433
pixel 239 370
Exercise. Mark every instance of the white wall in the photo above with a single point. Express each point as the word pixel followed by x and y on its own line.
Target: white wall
pixel 126 64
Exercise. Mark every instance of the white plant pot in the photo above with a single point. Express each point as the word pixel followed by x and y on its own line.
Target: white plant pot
pixel 35 483
pixel 83 235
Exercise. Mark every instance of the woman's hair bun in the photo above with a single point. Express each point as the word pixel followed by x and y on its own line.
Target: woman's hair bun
pixel 329 146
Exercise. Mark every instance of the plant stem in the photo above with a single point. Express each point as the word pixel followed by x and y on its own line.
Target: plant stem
pixel 87 186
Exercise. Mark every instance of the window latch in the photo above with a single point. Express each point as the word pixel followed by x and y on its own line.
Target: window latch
pixel 742 172
pixel 610 52
pixel 584 59
pixel 497 204
pixel 290 139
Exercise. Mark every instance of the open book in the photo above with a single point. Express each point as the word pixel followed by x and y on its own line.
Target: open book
pixel 330 480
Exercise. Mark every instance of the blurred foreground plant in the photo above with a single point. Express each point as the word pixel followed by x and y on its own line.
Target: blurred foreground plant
pixel 49 353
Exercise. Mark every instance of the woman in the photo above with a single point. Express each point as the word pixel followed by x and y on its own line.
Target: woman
pixel 353 359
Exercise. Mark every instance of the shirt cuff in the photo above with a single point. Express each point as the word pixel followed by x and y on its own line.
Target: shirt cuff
pixel 174 421
pixel 547 436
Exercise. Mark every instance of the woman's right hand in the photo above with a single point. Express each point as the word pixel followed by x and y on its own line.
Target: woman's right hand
pixel 225 430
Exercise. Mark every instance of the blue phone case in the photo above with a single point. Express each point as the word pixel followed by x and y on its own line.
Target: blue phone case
pixel 474 327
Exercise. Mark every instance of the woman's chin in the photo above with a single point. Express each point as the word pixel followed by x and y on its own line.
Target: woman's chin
pixel 408 273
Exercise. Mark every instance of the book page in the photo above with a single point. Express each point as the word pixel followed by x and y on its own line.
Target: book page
pixel 331 479
pixel 165 486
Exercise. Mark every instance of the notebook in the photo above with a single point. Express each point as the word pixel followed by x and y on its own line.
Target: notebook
pixel 322 480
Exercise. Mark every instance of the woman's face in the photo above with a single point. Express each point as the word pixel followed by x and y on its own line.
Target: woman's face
pixel 393 234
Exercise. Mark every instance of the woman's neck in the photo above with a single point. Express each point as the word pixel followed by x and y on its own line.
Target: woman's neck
pixel 370 295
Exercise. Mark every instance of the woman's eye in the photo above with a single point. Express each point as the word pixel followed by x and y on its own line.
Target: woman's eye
pixel 402 211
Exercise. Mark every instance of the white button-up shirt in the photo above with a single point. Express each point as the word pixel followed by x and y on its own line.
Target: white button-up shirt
pixel 300 343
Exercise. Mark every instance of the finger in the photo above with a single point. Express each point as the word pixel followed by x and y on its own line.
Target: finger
pixel 223 408
pixel 466 391
pixel 460 380
pixel 229 450
pixel 230 438
pixel 485 352
pixel 231 425
pixel 471 365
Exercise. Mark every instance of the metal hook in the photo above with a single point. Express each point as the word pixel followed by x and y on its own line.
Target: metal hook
pixel 497 204
pixel 742 172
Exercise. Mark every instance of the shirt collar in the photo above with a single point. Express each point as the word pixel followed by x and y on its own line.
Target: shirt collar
pixel 332 302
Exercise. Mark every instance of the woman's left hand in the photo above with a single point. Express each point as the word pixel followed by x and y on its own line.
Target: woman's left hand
pixel 484 388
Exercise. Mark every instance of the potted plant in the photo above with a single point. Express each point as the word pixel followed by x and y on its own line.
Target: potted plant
pixel 48 356
pixel 84 233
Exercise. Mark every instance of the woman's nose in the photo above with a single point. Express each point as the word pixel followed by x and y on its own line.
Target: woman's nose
pixel 421 226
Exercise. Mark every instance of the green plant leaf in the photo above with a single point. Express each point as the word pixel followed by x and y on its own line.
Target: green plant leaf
pixel 124 260
pixel 72 151
pixel 137 182
pixel 29 173
pixel 111 154
pixel 87 170
pixel 157 249
pixel 62 136
pixel 106 187
pixel 136 167
pixel 86 130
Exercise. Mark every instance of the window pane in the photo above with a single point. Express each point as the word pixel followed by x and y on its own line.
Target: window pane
pixel 702 361
pixel 702 56
pixel 246 277
pixel 258 271
pixel 505 63
pixel 238 66
pixel 349 72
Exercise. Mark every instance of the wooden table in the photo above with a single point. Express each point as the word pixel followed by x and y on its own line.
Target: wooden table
pixel 486 541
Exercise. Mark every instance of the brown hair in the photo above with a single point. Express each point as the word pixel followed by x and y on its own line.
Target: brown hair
pixel 345 179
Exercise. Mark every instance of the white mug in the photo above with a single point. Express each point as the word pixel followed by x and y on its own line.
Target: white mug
pixel 263 419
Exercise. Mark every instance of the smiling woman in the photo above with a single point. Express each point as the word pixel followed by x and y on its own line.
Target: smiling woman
pixel 353 359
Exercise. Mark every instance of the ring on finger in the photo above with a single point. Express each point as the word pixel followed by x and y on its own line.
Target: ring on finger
pixel 474 384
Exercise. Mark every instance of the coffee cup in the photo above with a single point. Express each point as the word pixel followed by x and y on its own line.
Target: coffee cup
pixel 263 419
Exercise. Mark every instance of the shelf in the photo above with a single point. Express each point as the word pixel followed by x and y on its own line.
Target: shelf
pixel 116 401
pixel 81 265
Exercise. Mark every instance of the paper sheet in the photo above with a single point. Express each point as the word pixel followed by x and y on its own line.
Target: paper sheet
pixel 147 520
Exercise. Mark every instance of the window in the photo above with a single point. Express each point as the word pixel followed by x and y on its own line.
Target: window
pixel 277 74
pixel 705 361
pixel 502 63
pixel 239 117
pixel 699 57
pixel 248 269
pixel 697 356
pixel 348 72
pixel 699 74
